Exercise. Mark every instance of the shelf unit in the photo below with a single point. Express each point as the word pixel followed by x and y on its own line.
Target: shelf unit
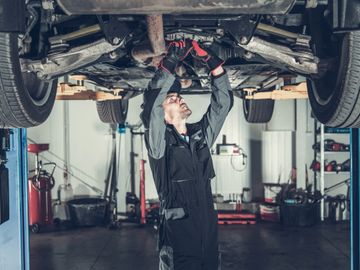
pixel 340 156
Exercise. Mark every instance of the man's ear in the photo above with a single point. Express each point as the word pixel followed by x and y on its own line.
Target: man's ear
pixel 165 118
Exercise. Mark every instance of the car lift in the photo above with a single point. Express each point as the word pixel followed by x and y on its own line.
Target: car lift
pixel 78 91
pixel 293 91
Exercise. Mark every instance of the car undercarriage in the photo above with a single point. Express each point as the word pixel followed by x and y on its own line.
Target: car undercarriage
pixel 114 59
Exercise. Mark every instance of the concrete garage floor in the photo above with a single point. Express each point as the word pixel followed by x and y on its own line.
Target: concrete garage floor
pixel 252 247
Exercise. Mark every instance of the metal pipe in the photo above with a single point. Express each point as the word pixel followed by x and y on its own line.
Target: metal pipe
pixel 276 31
pixel 319 2
pixel 156 46
pixel 76 34
pixel 282 55
pixel 155 30
pixel 66 133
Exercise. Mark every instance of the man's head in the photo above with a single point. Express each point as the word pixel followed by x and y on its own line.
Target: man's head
pixel 174 105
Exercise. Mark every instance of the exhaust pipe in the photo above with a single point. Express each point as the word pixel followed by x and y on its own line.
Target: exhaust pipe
pixel 156 46
pixel 155 29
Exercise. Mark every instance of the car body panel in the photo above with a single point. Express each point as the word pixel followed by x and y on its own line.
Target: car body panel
pixel 72 7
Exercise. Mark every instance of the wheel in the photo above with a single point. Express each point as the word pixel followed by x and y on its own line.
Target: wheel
pixel 112 111
pixel 25 100
pixel 258 111
pixel 35 228
pixel 334 95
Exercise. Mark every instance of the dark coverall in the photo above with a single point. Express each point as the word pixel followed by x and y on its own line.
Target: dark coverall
pixel 188 237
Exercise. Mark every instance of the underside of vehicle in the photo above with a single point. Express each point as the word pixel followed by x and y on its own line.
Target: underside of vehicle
pixel 118 45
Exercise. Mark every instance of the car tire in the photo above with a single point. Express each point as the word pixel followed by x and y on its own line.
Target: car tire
pixel 113 111
pixel 258 111
pixel 335 95
pixel 25 100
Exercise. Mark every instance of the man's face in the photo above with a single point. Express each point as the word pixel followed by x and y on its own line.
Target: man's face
pixel 175 108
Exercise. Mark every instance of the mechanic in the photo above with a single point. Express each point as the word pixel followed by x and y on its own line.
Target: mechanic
pixel 180 160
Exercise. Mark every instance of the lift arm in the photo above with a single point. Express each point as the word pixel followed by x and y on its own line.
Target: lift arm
pixel 78 91
pixel 295 91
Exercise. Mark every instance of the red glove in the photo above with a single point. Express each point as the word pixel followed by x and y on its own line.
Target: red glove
pixel 176 52
pixel 206 56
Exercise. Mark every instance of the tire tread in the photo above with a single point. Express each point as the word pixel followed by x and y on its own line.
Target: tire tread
pixel 13 110
pixel 259 111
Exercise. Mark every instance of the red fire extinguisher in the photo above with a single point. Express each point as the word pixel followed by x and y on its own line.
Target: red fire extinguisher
pixel 40 185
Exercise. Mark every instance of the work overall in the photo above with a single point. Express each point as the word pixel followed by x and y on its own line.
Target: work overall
pixel 182 169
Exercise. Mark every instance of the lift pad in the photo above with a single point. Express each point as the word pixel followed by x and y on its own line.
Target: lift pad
pixel 294 91
pixel 67 91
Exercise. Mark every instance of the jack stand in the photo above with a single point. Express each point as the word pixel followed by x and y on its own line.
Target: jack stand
pixel 111 185
pixel 142 175
pixel 140 217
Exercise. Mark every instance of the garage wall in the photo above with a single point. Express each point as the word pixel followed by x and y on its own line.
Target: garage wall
pixel 292 116
pixel 90 146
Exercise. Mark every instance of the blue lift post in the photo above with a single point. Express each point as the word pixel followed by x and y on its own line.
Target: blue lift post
pixel 355 199
pixel 14 232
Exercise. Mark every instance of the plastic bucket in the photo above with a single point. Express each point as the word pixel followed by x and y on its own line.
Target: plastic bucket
pixel 271 193
pixel 87 211
pixel 270 212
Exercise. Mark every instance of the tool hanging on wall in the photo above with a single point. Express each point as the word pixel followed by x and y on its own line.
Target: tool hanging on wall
pixel 234 151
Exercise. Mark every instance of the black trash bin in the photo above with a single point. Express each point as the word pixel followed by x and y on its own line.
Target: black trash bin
pixel 300 214
pixel 87 211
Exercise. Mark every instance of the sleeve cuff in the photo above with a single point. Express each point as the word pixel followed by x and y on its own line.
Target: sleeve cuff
pixel 218 76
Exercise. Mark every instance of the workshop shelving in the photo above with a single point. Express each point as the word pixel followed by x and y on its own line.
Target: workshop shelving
pixel 323 178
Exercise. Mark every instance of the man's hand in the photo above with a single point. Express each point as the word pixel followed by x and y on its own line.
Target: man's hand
pixel 176 52
pixel 212 61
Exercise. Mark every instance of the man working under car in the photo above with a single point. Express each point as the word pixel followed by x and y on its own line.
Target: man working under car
pixel 180 160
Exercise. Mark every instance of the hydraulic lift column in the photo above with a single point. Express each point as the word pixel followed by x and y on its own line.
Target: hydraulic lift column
pixel 355 199
pixel 14 228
